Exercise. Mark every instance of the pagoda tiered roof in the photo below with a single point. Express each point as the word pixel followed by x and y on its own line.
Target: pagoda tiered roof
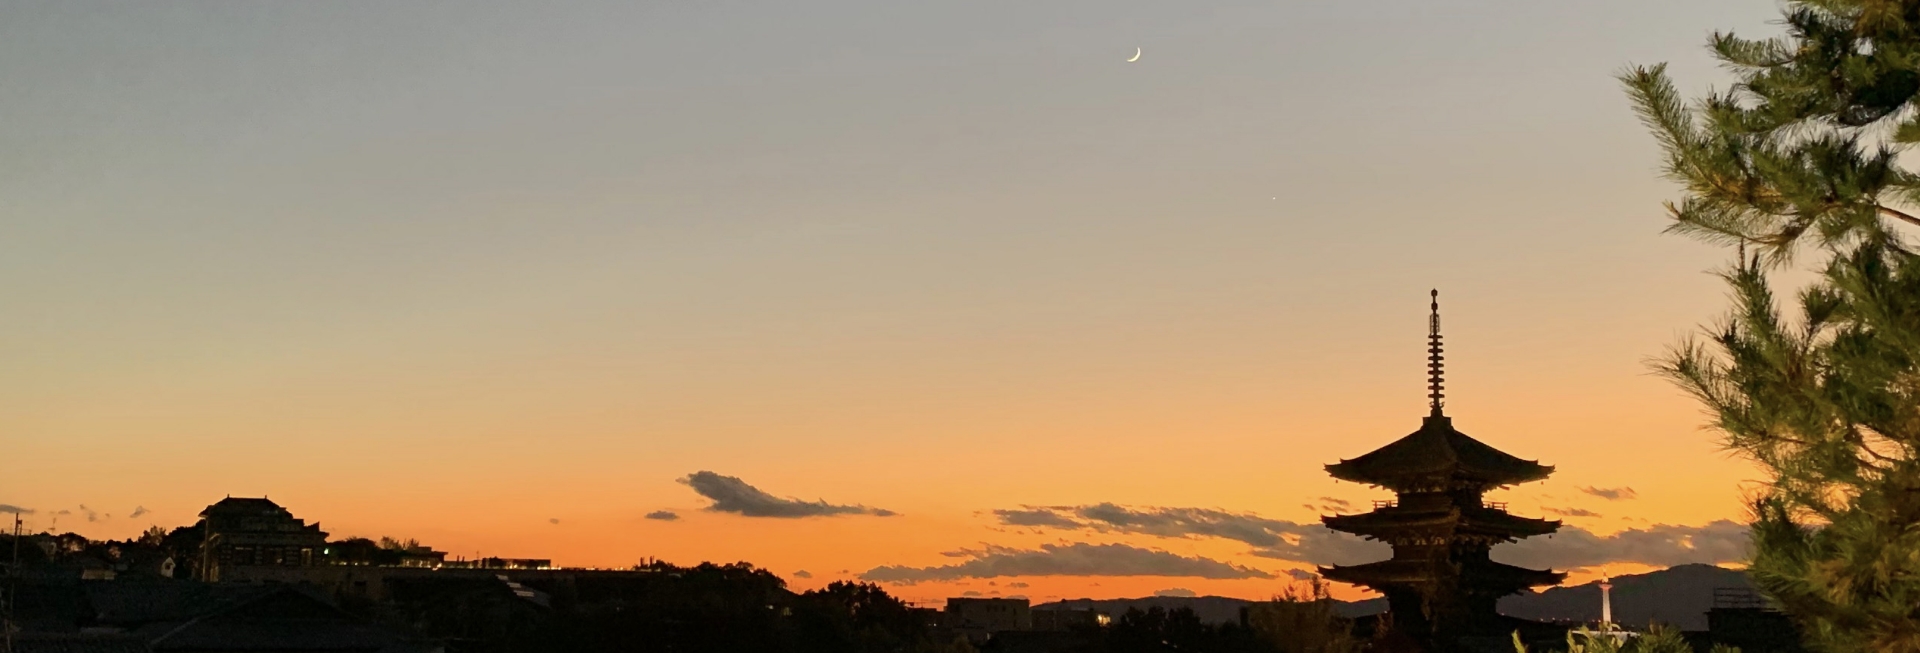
pixel 1438 458
pixel 1442 583
pixel 1462 522
pixel 1487 576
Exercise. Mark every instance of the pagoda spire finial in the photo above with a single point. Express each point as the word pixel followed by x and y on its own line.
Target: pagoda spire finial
pixel 1435 371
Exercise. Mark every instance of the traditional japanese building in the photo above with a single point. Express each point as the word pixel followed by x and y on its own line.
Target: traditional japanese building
pixel 1440 583
pixel 255 532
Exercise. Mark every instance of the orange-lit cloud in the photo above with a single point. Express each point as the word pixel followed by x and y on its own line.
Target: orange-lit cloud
pixel 1572 512
pixel 730 494
pixel 1075 559
pixel 1717 542
pixel 1611 493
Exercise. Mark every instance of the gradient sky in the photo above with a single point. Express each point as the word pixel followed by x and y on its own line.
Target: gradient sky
pixel 455 271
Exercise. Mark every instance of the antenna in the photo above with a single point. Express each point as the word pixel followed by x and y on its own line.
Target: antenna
pixel 1436 381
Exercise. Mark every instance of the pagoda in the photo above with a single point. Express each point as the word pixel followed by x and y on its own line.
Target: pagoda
pixel 1440 584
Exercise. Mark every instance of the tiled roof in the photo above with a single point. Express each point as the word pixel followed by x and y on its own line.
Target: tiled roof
pixel 245 502
pixel 219 634
pixel 1394 572
pixel 1434 454
pixel 77 643
pixel 244 506
pixel 283 619
pixel 132 603
pixel 1386 522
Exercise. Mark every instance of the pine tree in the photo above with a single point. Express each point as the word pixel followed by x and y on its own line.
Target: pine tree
pixel 1802 156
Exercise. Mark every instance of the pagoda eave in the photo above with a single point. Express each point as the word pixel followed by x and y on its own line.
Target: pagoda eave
pixel 1490 523
pixel 1501 578
pixel 1438 454
pixel 1438 480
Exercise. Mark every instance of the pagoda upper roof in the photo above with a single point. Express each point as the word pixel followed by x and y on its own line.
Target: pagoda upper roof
pixel 1437 457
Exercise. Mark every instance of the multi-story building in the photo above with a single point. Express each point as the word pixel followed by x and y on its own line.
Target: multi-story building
pixel 979 618
pixel 241 532
pixel 1068 619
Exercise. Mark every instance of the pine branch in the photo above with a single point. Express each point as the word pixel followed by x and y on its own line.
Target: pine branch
pixel 1898 214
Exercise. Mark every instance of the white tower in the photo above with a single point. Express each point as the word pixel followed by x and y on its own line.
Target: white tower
pixel 1606 601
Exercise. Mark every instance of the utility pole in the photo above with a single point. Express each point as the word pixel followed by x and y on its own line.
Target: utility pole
pixel 13 587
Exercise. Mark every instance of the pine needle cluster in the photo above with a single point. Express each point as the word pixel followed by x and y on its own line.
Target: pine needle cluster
pixel 1803 155
pixel 1659 639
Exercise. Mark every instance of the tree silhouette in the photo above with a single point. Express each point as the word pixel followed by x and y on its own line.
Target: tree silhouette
pixel 1803 155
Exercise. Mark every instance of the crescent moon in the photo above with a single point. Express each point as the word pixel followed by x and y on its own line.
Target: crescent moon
pixel 1136 55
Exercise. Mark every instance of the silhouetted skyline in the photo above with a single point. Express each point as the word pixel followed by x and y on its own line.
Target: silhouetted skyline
pixel 850 286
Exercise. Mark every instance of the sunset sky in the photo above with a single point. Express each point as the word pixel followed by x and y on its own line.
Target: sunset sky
pixel 510 277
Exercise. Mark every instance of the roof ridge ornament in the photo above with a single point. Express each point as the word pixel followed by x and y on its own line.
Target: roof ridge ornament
pixel 1436 381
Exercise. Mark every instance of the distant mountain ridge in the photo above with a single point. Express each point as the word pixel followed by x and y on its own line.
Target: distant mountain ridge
pixel 1211 609
pixel 1679 596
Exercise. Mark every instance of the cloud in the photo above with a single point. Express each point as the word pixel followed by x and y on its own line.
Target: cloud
pixel 1611 493
pixel 1181 592
pixel 730 494
pixel 553 520
pixel 1325 546
pixel 663 515
pixel 1188 522
pixel 1573 512
pixel 138 512
pixel 1271 538
pixel 91 514
pixel 1077 559
pixel 1338 503
pixel 10 509
pixel 803 574
pixel 971 593
pixel 1016 584
pixel 1034 517
pixel 1660 545
pixel 1571 547
pixel 1302 574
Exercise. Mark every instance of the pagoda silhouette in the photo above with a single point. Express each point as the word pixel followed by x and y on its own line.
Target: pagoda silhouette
pixel 1440 584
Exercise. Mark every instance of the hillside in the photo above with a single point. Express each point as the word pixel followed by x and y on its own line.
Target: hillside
pixel 1676 595
pixel 1211 609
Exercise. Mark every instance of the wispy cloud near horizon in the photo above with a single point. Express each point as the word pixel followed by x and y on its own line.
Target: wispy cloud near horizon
pixel 1570 547
pixel 1270 538
pixel 1660 545
pixel 1611 493
pixel 732 495
pixel 1572 512
pixel 1076 559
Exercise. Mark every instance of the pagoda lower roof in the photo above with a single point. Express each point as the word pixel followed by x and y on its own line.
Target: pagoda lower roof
pixel 1438 457
pixel 1385 522
pixel 1502 578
